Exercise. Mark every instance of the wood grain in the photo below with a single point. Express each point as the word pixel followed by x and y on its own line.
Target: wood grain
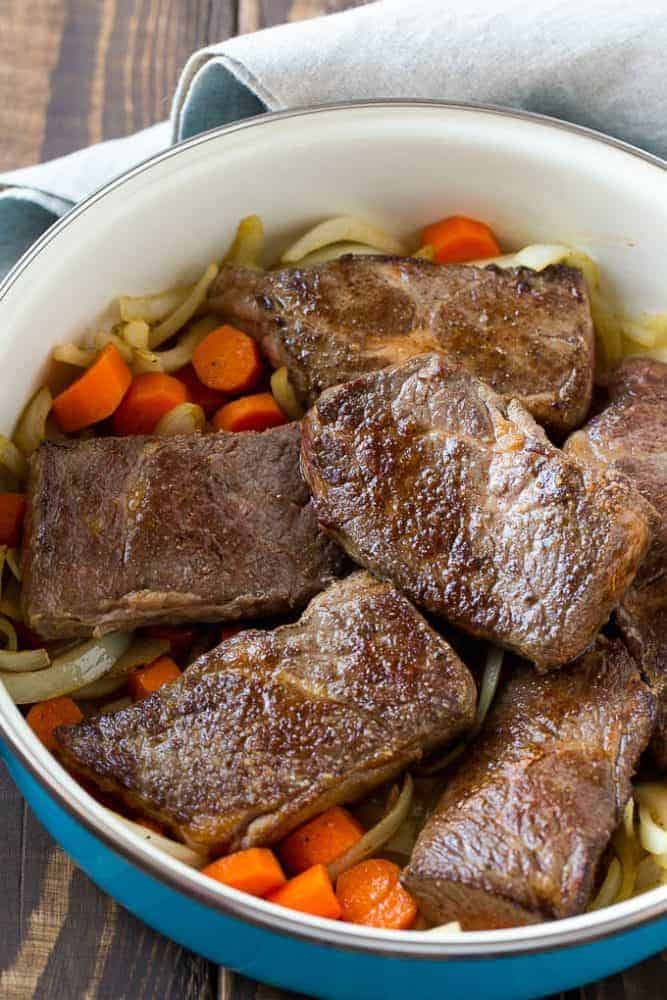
pixel 74 72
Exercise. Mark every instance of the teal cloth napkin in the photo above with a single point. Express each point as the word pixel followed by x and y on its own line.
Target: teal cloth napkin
pixel 599 64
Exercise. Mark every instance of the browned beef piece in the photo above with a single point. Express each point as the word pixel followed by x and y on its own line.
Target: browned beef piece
pixel 429 479
pixel 272 727
pixel 518 833
pixel 631 437
pixel 127 531
pixel 528 335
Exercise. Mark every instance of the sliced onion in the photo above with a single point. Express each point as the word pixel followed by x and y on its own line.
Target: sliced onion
pixel 442 930
pixel 105 337
pixel 72 354
pixel 136 333
pixel 24 661
pixel 628 852
pixel 336 250
pixel 14 563
pixel 181 354
pixel 31 428
pixel 610 887
pixel 174 848
pixel 69 672
pixel 248 245
pixel 284 395
pixel 652 836
pixel 487 692
pixel 185 311
pixel 378 835
pixel 186 418
pixel 427 252
pixel 145 361
pixel 141 651
pixel 650 875
pixel 8 630
pixel 342 229
pixel 654 796
pixel 12 458
pixel 152 308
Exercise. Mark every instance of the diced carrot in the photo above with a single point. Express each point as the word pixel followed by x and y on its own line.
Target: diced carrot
pixel 179 637
pixel 45 717
pixel 151 677
pixel 321 840
pixel 256 871
pixel 94 395
pixel 249 413
pixel 227 631
pixel 228 360
pixel 458 239
pixel 12 512
pixel 310 892
pixel 147 400
pixel 371 894
pixel 209 399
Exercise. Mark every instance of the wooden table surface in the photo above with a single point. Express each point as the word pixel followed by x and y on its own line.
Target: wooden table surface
pixel 73 72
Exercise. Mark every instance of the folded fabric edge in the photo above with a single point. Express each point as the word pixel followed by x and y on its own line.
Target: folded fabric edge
pixel 215 90
pixel 24 216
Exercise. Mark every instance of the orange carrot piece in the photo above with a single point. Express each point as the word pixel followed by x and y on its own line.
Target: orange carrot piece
pixel 228 360
pixel 310 892
pixel 370 894
pixel 147 400
pixel 249 413
pixel 459 239
pixel 321 840
pixel 45 717
pixel 12 512
pixel 256 871
pixel 94 395
pixel 151 677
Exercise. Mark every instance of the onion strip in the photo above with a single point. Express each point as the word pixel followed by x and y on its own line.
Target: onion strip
pixel 490 678
pixel 284 395
pixel 248 244
pixel 185 311
pixel 140 652
pixel 72 354
pixel 136 333
pixel 31 428
pixel 12 458
pixel 152 308
pixel 105 337
pixel 335 251
pixel 180 355
pixel 8 630
pixel 378 835
pixel 14 563
pixel 610 887
pixel 69 672
pixel 24 661
pixel 342 229
pixel 652 836
pixel 186 418
pixel 174 848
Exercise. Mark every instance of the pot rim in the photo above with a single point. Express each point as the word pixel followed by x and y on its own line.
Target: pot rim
pixel 40 764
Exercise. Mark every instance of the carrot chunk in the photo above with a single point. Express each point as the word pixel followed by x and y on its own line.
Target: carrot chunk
pixel 12 512
pixel 209 399
pixel 147 400
pixel 310 892
pixel 370 894
pixel 151 677
pixel 249 413
pixel 45 717
pixel 256 871
pixel 228 360
pixel 94 395
pixel 321 840
pixel 458 239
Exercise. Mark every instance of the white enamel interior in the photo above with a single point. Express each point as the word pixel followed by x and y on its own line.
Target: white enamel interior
pixel 401 165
